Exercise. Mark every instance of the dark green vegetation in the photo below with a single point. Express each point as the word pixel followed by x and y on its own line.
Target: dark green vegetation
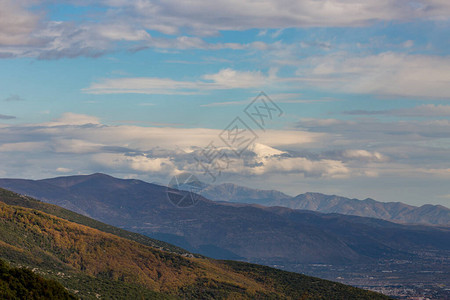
pixel 93 263
pixel 19 283
pixel 298 289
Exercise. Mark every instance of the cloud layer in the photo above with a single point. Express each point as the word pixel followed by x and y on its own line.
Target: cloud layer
pixel 26 32
pixel 385 74
pixel 75 139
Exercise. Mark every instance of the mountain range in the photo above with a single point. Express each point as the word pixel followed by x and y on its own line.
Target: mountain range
pixel 267 235
pixel 73 256
pixel 391 211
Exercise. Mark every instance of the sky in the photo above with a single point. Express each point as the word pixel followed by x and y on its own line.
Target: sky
pixel 340 97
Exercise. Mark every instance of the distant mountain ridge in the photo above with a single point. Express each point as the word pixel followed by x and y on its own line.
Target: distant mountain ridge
pixel 391 211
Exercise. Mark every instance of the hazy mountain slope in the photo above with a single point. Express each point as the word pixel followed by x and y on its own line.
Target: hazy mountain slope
pixel 95 263
pixel 42 191
pixel 11 198
pixel 229 192
pixel 391 211
pixel 266 235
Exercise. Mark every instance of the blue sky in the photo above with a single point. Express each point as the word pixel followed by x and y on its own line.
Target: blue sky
pixel 138 89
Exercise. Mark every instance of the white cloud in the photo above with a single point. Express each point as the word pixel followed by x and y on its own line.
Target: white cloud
pixel 364 155
pixel 63 170
pixel 83 132
pixel 16 23
pixel 23 147
pixel 62 145
pixel 307 167
pixel 229 79
pixel 224 79
pixel 374 148
pixel 73 119
pixel 126 25
pixel 389 73
pixel 140 163
pixel 204 17
pixel 121 32
pixel 386 74
pixel 408 44
pixel 142 85
pixel 441 172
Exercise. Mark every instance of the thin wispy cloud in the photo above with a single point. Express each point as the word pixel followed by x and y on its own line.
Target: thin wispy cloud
pixel 223 80
pixel 426 110
pixel 14 98
pixel 6 117
pixel 225 103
